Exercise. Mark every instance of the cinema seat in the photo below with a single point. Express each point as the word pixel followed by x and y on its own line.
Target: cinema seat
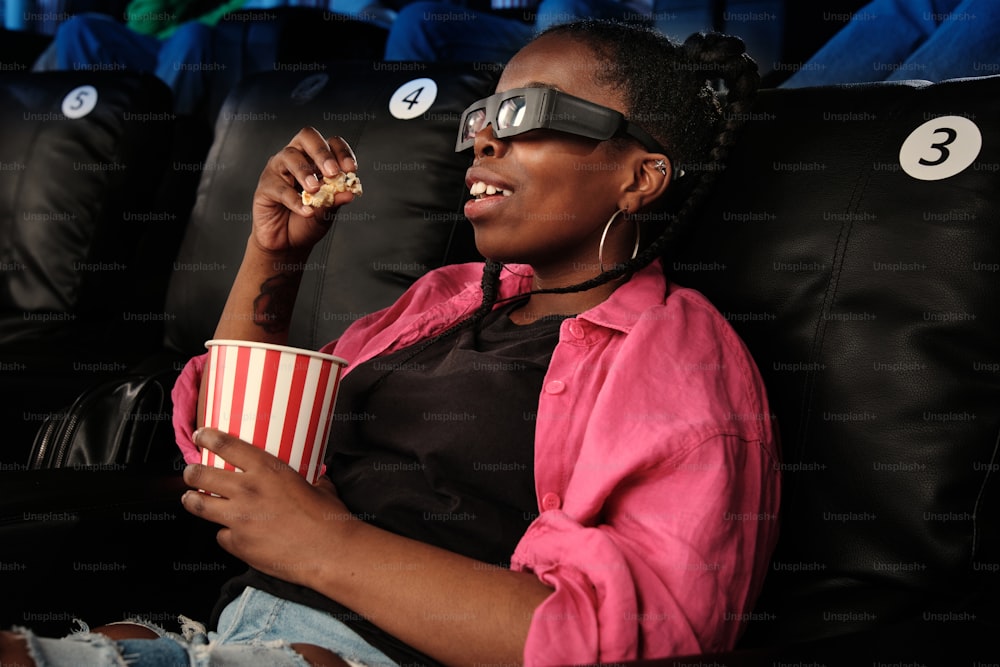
pixel 82 154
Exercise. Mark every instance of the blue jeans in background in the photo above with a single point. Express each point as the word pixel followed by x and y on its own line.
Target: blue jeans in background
pixel 894 40
pixel 441 31
pixel 199 63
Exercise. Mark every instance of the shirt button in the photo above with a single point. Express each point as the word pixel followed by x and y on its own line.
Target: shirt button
pixel 555 387
pixel 551 501
pixel 576 330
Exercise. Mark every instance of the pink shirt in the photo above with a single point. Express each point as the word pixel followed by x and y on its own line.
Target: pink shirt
pixel 656 466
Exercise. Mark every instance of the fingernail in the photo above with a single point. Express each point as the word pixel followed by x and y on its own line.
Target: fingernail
pixel 196 436
pixel 312 181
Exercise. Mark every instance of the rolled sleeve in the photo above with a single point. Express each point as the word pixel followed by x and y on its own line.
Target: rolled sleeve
pixel 668 567
pixel 594 593
pixel 185 399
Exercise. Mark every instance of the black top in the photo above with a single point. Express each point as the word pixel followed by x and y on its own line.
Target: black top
pixel 436 442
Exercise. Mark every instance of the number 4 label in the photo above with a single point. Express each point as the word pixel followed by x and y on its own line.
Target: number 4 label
pixel 940 148
pixel 413 98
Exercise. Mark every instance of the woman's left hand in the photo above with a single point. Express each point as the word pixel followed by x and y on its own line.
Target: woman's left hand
pixel 274 520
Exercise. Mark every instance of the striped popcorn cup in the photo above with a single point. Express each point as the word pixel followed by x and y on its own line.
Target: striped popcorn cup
pixel 276 397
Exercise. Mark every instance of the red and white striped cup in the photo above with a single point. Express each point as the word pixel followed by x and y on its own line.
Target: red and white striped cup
pixel 276 397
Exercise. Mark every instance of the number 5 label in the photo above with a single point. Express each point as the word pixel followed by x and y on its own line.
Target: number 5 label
pixel 79 102
pixel 940 148
pixel 413 98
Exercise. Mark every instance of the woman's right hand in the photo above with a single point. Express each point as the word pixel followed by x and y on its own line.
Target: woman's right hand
pixel 281 222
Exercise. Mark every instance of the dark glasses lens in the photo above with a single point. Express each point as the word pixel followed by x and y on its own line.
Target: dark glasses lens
pixel 511 112
pixel 475 120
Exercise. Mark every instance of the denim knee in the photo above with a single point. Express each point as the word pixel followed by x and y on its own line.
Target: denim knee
pixel 88 649
pixel 80 649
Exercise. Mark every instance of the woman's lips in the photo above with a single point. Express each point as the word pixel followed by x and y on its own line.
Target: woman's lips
pixel 479 206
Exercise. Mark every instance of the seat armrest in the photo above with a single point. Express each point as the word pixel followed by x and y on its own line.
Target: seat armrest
pixel 942 639
pixel 103 545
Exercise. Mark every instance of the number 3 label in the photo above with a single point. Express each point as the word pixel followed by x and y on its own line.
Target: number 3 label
pixel 413 98
pixel 79 102
pixel 940 148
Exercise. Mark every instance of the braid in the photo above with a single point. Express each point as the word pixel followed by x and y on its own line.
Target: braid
pixel 491 292
pixel 723 58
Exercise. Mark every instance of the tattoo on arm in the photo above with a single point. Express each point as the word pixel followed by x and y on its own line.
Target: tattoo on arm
pixel 272 309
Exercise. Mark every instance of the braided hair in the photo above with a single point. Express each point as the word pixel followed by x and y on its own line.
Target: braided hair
pixel 669 91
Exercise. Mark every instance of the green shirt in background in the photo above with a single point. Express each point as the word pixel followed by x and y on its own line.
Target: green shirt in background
pixel 160 18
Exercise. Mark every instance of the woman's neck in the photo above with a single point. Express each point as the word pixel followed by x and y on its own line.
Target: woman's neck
pixel 572 303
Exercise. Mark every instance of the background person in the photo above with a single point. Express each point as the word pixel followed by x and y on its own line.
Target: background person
pixel 895 40
pixel 180 41
pixel 457 32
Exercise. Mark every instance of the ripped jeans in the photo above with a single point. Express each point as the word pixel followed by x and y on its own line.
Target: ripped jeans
pixel 255 630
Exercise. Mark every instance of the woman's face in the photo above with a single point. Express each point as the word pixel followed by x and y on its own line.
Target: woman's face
pixel 563 188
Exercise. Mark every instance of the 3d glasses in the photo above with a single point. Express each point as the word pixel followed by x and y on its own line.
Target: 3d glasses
pixel 513 112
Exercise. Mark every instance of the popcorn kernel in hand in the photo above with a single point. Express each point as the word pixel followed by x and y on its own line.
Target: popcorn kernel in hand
pixel 342 182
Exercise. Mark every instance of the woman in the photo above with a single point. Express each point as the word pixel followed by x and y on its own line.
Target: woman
pixel 613 492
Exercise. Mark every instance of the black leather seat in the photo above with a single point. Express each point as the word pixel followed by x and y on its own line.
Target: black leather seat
pixel 865 294
pixel 868 298
pixel 82 155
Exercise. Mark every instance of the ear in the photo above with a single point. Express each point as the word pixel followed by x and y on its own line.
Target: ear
pixel 651 174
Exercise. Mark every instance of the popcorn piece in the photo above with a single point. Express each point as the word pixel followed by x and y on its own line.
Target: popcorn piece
pixel 342 182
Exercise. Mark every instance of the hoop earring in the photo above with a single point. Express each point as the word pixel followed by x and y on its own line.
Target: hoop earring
pixel 611 221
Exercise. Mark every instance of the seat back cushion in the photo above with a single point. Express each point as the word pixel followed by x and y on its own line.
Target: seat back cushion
pixel 853 244
pixel 81 157
pixel 82 153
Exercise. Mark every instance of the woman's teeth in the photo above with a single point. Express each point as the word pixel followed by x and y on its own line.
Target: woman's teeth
pixel 479 189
